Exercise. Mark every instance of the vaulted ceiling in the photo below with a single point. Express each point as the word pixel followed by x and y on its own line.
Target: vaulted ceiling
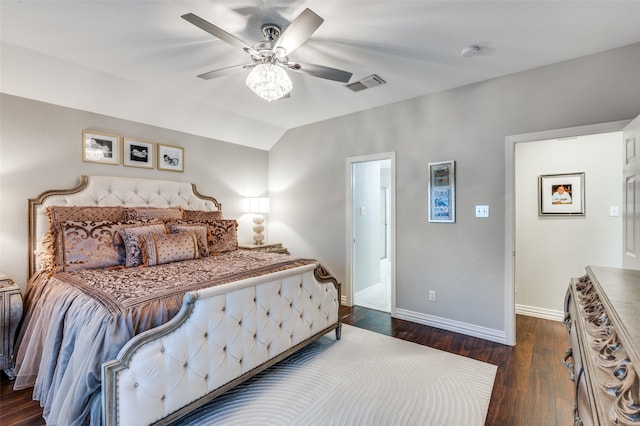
pixel 139 60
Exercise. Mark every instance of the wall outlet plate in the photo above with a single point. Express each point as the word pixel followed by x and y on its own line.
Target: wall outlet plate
pixel 482 211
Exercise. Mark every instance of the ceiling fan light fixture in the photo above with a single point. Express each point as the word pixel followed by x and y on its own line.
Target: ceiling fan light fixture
pixel 269 81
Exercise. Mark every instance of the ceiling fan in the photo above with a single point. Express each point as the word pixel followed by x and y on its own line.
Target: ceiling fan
pixel 270 57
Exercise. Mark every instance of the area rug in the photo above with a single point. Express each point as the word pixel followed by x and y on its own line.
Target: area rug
pixel 365 378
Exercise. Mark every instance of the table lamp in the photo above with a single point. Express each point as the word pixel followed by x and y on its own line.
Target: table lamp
pixel 258 206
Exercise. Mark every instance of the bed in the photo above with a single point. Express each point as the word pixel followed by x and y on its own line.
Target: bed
pixel 140 307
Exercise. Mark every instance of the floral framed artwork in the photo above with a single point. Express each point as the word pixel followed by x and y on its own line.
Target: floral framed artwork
pixel 561 194
pixel 442 192
pixel 138 153
pixel 170 158
pixel 100 147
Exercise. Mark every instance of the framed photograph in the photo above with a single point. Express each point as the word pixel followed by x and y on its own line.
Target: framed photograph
pixel 138 153
pixel 170 158
pixel 100 147
pixel 561 194
pixel 442 192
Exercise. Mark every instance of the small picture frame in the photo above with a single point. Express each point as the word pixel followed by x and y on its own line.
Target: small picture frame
pixel 442 192
pixel 561 195
pixel 170 158
pixel 138 153
pixel 100 147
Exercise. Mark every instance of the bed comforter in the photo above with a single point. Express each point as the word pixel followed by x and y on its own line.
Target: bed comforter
pixel 77 320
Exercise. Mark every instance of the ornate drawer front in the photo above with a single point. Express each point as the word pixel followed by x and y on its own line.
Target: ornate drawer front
pixel 602 356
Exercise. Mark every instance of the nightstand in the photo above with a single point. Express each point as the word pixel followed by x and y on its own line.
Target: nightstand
pixel 268 247
pixel 10 315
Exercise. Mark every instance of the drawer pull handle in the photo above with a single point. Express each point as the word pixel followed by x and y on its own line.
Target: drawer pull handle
pixel 567 322
pixel 577 421
pixel 569 365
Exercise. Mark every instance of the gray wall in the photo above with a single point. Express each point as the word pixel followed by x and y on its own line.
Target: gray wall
pixel 40 149
pixel 463 262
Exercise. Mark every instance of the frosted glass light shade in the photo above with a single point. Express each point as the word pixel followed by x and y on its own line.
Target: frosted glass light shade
pixel 269 81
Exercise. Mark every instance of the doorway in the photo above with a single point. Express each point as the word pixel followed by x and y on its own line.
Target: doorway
pixel 510 215
pixel 370 222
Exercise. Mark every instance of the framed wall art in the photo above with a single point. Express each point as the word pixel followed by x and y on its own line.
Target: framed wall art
pixel 442 192
pixel 561 194
pixel 170 158
pixel 100 147
pixel 138 153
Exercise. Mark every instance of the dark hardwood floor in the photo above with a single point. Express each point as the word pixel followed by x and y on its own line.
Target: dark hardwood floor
pixel 531 387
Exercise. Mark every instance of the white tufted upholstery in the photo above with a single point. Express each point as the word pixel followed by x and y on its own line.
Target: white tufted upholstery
pixel 222 334
pixel 115 191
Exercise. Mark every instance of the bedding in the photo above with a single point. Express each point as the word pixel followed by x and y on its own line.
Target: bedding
pixel 80 319
pixel 115 259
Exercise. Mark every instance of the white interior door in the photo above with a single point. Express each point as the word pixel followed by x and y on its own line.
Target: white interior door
pixel 631 199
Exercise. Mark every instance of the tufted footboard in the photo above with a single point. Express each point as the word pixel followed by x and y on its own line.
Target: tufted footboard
pixel 221 337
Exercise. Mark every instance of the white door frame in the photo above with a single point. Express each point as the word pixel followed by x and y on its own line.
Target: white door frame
pixel 510 243
pixel 347 293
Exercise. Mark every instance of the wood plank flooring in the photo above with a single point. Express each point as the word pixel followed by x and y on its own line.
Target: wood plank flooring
pixel 531 388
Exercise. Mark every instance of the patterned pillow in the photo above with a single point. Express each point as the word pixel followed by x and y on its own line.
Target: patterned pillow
pixel 166 248
pixel 223 236
pixel 59 214
pixel 56 215
pixel 91 244
pixel 131 238
pixel 201 231
pixel 202 216
pixel 165 214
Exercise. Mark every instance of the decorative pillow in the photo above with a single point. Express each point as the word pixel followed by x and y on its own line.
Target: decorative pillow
pixel 223 236
pixel 165 214
pixel 59 214
pixel 166 248
pixel 131 238
pixel 56 215
pixel 45 253
pixel 91 244
pixel 202 216
pixel 201 231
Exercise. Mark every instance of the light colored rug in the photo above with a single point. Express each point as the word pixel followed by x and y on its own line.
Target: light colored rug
pixel 365 378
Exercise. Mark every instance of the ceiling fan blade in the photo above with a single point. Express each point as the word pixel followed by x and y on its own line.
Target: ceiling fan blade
pixel 298 31
pixel 327 73
pixel 217 32
pixel 224 71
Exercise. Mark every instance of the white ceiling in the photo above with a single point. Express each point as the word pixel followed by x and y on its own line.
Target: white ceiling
pixel 138 60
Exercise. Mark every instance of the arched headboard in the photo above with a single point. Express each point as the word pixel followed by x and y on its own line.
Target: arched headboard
pixel 106 191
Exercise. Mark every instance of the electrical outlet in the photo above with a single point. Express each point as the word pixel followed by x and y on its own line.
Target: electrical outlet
pixel 482 211
pixel 432 295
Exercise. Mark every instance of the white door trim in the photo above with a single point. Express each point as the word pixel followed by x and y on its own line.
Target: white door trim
pixel 347 290
pixel 509 255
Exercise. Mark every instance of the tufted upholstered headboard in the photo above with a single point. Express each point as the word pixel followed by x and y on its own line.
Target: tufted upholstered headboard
pixel 104 191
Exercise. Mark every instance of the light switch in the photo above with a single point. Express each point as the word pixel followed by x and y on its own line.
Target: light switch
pixel 363 211
pixel 613 211
pixel 482 211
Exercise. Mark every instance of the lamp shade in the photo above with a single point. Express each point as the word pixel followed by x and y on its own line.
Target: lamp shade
pixel 269 81
pixel 258 205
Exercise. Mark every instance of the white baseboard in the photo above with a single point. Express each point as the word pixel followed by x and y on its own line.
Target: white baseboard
pixel 493 335
pixel 543 313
